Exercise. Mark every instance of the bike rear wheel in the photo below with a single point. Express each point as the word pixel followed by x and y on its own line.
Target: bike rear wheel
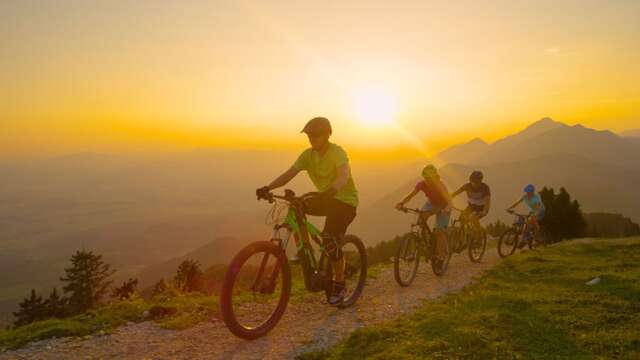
pixel 477 243
pixel 355 273
pixel 256 290
pixel 407 259
pixel 439 267
pixel 508 242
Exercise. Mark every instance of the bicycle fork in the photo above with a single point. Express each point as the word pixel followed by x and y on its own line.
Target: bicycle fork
pixel 268 285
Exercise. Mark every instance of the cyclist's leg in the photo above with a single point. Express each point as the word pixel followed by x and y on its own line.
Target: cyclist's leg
pixel 442 222
pixel 536 223
pixel 427 211
pixel 339 217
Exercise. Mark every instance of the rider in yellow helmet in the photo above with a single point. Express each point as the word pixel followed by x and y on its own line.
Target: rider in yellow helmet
pixel 438 203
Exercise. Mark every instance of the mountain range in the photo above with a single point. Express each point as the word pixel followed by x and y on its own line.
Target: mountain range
pixel 546 137
pixel 145 215
pixel 599 168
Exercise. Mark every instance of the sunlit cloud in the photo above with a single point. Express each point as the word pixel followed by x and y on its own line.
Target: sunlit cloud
pixel 552 50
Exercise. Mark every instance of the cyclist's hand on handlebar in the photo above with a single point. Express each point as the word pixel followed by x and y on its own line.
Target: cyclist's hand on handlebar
pixel 400 206
pixel 263 193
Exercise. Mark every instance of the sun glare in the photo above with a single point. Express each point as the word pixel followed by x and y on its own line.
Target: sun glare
pixel 375 107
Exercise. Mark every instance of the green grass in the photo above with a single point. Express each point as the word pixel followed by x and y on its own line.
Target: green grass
pixel 533 306
pixel 191 309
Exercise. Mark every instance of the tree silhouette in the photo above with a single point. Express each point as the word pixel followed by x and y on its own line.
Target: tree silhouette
pixel 159 288
pixel 126 290
pixel 563 218
pixel 31 309
pixel 610 225
pixel 496 228
pixel 87 281
pixel 188 277
pixel 56 306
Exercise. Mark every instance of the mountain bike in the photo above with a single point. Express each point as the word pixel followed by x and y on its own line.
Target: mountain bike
pixel 513 239
pixel 466 234
pixel 257 284
pixel 419 241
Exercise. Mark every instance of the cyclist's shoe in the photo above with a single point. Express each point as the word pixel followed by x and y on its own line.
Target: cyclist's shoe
pixel 338 293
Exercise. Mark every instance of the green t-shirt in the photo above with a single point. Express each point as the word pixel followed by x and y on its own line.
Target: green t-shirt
pixel 322 171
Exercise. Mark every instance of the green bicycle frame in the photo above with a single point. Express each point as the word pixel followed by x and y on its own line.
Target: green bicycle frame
pixel 304 234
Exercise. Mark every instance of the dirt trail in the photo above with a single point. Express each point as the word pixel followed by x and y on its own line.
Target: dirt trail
pixel 309 325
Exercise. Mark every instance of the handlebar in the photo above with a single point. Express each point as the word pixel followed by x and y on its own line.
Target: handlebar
pixel 289 196
pixel 518 214
pixel 409 210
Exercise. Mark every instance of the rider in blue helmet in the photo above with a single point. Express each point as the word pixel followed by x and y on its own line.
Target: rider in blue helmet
pixel 535 204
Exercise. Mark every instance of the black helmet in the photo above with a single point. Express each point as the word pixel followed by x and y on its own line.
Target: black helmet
pixel 476 176
pixel 317 125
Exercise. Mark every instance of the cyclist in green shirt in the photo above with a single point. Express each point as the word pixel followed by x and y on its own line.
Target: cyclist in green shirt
pixel 328 168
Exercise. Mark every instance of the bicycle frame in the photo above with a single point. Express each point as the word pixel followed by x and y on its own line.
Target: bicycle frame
pixel 424 231
pixel 521 225
pixel 311 267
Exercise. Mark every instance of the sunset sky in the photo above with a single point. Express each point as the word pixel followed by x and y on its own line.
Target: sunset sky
pixel 121 76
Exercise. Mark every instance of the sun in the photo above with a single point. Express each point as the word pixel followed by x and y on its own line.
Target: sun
pixel 375 107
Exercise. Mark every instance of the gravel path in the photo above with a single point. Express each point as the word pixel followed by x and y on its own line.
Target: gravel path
pixel 307 325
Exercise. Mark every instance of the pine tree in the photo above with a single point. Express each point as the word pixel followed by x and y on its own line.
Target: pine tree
pixel 159 288
pixel 563 218
pixel 126 290
pixel 87 281
pixel 55 306
pixel 31 309
pixel 497 228
pixel 188 278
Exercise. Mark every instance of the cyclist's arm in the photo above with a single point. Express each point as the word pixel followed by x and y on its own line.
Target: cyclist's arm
pixel 283 179
pixel 342 176
pixel 458 192
pixel 514 205
pixel 408 197
pixel 487 204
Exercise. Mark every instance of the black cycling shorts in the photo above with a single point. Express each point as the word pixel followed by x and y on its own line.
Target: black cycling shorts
pixel 339 215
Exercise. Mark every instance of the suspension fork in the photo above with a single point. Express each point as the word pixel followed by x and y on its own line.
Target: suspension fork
pixel 282 246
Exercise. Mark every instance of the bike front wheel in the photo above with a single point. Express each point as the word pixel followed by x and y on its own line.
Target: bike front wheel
pixel 407 259
pixel 440 267
pixel 355 270
pixel 256 290
pixel 508 242
pixel 477 244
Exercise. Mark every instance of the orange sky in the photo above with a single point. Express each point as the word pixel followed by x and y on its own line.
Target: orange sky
pixel 164 76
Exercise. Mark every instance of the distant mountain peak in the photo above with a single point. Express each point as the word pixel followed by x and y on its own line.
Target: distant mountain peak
pixel 477 141
pixel 546 123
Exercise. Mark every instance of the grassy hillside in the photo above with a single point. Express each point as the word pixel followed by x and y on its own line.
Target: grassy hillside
pixel 536 305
